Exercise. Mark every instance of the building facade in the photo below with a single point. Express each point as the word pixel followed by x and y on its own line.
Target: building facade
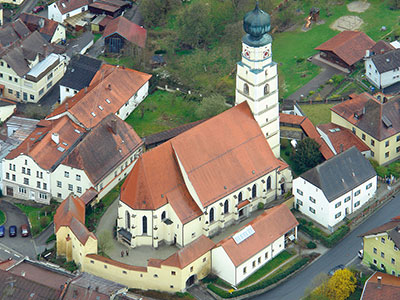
pixel 383 70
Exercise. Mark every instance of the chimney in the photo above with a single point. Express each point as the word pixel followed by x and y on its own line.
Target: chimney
pixel 367 54
pixel 23 274
pixel 341 148
pixel 114 126
pixel 55 137
pixel 109 86
pixel 379 282
pixel 85 89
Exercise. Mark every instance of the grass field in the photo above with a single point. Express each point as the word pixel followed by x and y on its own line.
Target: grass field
pixel 2 217
pixel 318 113
pixel 39 217
pixel 162 111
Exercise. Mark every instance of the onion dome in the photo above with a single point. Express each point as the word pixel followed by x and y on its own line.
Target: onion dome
pixel 256 24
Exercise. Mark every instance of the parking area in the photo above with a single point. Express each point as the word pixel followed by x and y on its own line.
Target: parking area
pixel 22 246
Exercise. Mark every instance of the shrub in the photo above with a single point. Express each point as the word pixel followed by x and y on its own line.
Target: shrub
pixel 260 206
pixel 310 93
pixel 44 221
pixel 311 245
pixel 284 143
pixel 300 60
pixel 328 241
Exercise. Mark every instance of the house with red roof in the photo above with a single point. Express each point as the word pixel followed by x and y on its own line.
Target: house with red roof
pixel 64 9
pixel 248 249
pixel 381 286
pixel 120 32
pixel 346 48
pixel 51 30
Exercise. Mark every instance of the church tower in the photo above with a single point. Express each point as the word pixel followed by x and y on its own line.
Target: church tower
pixel 257 76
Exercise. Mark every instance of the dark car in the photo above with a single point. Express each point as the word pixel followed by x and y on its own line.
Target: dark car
pixel 12 231
pixel 2 231
pixel 24 230
pixel 337 268
pixel 37 9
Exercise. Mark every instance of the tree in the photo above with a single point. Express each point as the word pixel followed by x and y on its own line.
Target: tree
pixel 105 242
pixel 154 12
pixel 394 4
pixel 211 106
pixel 195 28
pixel 341 285
pixel 306 156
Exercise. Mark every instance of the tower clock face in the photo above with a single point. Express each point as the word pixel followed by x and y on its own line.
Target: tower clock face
pixel 266 53
pixel 246 53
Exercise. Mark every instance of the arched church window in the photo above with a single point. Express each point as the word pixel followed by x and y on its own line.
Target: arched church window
pixel 212 214
pixel 246 88
pixel 163 215
pixel 266 89
pixel 268 183
pixel 144 224
pixel 254 191
pixel 226 206
pixel 240 197
pixel 127 220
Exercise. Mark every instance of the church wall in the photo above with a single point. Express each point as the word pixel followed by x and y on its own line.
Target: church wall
pixel 193 229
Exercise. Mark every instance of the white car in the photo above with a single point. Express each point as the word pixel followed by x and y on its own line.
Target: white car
pixel 360 253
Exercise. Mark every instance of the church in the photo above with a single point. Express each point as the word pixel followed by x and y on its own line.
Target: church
pixel 218 172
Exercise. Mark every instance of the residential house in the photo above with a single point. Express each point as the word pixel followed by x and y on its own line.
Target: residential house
pixel 241 254
pixel 80 45
pixel 340 139
pixel 120 32
pixel 381 247
pixel 74 240
pixel 381 286
pixel 298 128
pixel 200 182
pixel 383 70
pixel 63 9
pixel 100 161
pixel 375 121
pixel 336 188
pixel 29 65
pixel 113 89
pixel 346 48
pixel 80 72
pixel 7 109
pixel 52 31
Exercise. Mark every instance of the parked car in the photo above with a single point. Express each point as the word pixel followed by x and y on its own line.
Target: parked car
pixel 2 231
pixel 361 253
pixel 336 268
pixel 12 231
pixel 37 9
pixel 24 230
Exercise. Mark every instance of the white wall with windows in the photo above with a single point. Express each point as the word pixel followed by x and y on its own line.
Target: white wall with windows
pixel 55 14
pixel 66 92
pixel 312 202
pixel 381 80
pixel 67 180
pixel 133 102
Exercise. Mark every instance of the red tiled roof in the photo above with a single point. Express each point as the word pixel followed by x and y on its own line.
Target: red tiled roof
pixel 104 6
pixel 350 46
pixel 190 253
pixel 309 129
pixel 33 23
pixel 66 6
pixel 342 136
pixel 105 21
pixel 89 195
pixel 116 263
pixel 128 30
pixel 268 227
pixel 388 288
pixel 116 84
pixel 72 206
pixel 40 146
pixel 5 264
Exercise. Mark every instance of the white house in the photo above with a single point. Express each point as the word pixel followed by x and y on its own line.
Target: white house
pixel 51 30
pixel 64 9
pixel 336 188
pixel 383 70
pixel 244 252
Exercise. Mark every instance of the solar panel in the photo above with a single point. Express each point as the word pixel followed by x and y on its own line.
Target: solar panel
pixel 243 234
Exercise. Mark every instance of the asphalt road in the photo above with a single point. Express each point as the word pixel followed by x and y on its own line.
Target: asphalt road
pixel 343 253
pixel 16 246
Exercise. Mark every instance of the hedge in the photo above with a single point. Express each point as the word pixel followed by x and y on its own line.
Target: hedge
pixel 261 284
pixel 327 240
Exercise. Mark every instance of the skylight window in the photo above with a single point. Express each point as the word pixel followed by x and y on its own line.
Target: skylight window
pixel 93 114
pixel 39 133
pixel 77 131
pixel 101 108
pixel 65 144
pixel 61 149
pixel 108 101
pixel 243 234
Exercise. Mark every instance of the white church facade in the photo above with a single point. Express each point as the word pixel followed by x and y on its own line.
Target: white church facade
pixel 216 173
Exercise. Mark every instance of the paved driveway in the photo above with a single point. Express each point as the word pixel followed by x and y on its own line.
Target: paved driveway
pixel 18 245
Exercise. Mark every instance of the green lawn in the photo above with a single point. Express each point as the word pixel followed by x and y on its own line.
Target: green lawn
pixel 96 37
pixel 318 113
pixel 121 60
pixel 162 111
pixel 390 169
pixel 39 217
pixel 2 217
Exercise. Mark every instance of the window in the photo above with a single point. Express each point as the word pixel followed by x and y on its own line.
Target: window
pixel 382 240
pixel 163 215
pixel 240 197
pixel 32 97
pixel 266 89
pixel 41 91
pixel 22 190
pixel 398 138
pixel 144 224
pixel 29 171
pixel 382 255
pixel 204 259
pixel 26 181
pixel 387 144
pixel 38 184
pixel 393 261
pixel 79 189
pixel 338 204
pixel 357 204
pixel 254 263
pixel 50 76
pixel 44 186
pixel 211 214
pixel 382 266
pixel 372 154
pixel 375 262
pixel 246 88
pixel 259 260
pixel 372 142
pixel 398 149
pixel 78 177
pixel 354 130
pixel 13 177
pixel 66 174
pixel 59 184
pixel 254 191
pixel 25 95
pixel 363 136
pixel 369 185
pixel 173 273
pixel 357 193
pixel 244 270
pixel 191 269
pixel 226 206
pixel 23 170
pixel 299 202
pixel 338 215
pixel 387 154
pixel 266 255
pixel 375 250
pixel 347 199
pixel 10 78
pixel 49 84
pixel 312 199
pixel 17 94
pixel 299 192
pixel 268 183
pixel 70 187
pixel 42 196
pixel 59 195
pixel 7 175
pixel 312 210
